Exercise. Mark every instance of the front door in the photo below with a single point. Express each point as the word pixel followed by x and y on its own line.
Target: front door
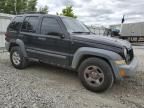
pixel 54 45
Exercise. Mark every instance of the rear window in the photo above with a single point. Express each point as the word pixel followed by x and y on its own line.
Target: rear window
pixel 15 25
pixel 30 24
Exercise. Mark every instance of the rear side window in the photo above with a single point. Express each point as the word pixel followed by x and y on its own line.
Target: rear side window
pixel 15 25
pixel 30 24
pixel 50 26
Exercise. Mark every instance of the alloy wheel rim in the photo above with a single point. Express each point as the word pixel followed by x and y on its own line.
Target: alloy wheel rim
pixel 16 58
pixel 94 76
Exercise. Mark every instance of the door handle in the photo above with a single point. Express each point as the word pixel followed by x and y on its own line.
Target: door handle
pixel 21 35
pixel 62 36
pixel 41 38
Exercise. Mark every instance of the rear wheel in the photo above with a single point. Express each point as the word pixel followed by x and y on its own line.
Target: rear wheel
pixel 96 74
pixel 17 58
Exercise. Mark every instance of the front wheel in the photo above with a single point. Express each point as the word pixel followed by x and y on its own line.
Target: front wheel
pixel 17 58
pixel 96 74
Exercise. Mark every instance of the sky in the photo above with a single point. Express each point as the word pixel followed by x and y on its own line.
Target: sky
pixel 99 12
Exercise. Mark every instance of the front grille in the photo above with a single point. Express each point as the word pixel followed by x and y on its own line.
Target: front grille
pixel 130 55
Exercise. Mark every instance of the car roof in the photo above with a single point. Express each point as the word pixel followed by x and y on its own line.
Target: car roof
pixel 25 15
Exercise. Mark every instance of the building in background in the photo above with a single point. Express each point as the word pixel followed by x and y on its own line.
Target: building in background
pixel 4 22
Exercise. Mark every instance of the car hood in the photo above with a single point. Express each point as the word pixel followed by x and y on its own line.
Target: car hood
pixel 110 41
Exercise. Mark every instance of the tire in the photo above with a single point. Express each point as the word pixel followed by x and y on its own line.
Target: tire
pixel 17 58
pixel 96 74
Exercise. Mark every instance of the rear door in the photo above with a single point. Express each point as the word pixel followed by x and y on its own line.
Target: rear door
pixel 29 32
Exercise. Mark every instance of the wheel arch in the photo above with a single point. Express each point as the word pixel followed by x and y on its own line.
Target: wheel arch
pixel 19 43
pixel 84 57
pixel 86 52
pixel 12 44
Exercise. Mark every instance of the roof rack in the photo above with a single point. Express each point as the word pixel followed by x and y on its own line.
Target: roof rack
pixel 32 13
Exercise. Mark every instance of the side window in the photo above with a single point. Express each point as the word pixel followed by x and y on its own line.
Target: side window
pixel 24 25
pixel 30 24
pixel 50 26
pixel 15 25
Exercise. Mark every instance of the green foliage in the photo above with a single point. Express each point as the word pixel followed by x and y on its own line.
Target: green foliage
pixel 68 11
pixel 6 6
pixel 31 5
pixel 2 3
pixel 18 6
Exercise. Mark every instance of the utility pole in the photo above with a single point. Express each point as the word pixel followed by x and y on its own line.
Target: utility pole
pixel 15 5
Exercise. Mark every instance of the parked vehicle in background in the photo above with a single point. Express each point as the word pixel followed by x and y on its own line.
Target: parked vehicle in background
pixel 133 32
pixel 67 43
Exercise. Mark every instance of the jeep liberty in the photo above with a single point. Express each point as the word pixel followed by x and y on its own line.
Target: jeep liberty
pixel 66 42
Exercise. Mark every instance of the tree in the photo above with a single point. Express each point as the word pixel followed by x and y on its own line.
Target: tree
pixel 68 11
pixel 2 4
pixel 43 9
pixel 31 5
pixel 6 6
pixel 18 6
pixel 13 6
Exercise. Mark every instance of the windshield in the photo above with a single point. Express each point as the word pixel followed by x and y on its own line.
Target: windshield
pixel 74 26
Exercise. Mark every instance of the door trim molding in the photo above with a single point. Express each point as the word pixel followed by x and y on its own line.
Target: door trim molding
pixel 46 53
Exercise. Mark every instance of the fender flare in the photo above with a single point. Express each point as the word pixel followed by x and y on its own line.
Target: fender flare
pixel 106 54
pixel 22 46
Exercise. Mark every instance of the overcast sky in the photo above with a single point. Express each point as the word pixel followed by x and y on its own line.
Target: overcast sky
pixel 103 12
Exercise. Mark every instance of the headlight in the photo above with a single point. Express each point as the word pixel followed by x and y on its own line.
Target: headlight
pixel 127 56
pixel 119 62
pixel 125 52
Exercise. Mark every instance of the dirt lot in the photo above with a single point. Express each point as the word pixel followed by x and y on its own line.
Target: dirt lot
pixel 44 86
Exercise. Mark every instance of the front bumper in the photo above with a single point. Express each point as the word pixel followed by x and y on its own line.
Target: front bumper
pixel 128 70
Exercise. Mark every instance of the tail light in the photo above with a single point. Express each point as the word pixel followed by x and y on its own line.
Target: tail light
pixel 6 36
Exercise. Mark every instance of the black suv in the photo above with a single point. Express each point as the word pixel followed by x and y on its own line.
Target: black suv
pixel 67 43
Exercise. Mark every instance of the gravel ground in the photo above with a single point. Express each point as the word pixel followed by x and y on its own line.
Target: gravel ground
pixel 44 86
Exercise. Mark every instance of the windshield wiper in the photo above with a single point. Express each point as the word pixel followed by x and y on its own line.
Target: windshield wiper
pixel 80 32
